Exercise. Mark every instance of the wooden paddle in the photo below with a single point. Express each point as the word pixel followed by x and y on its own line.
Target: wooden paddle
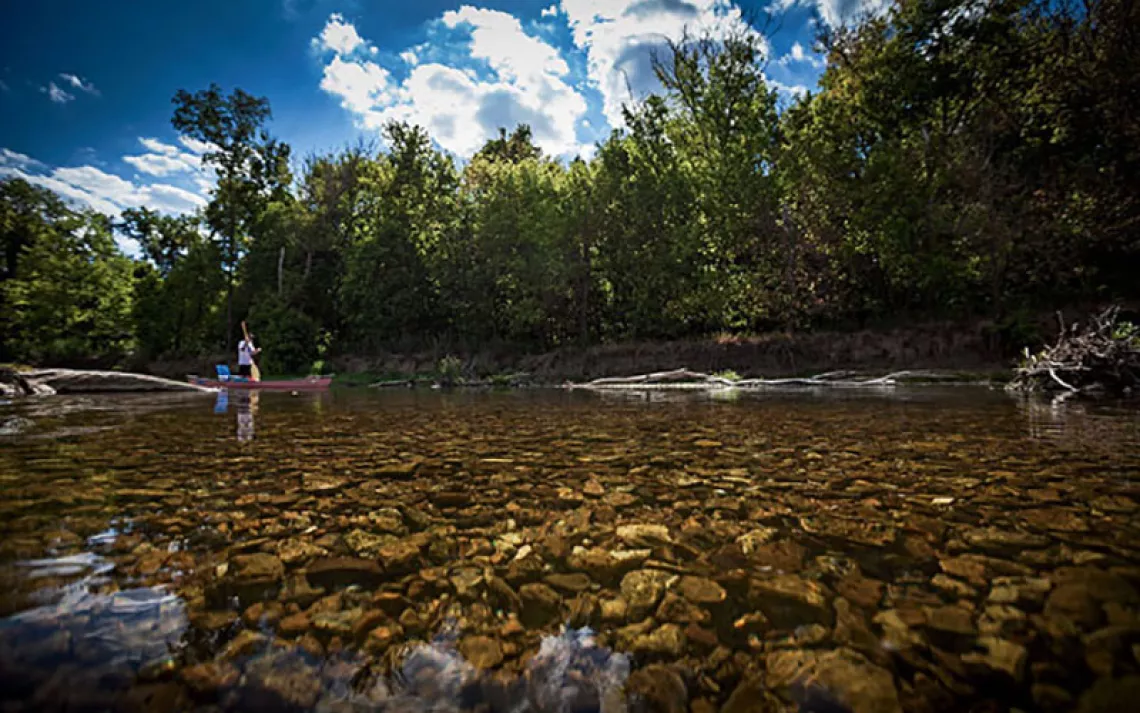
pixel 254 372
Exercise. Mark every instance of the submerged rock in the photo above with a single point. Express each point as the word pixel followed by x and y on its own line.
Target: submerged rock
pixel 643 535
pixel 996 541
pixel 207 679
pixel 571 583
pixel 366 544
pixel 1111 695
pixel 336 572
pixel 606 566
pixel 399 557
pixel 256 568
pixel 1000 656
pixel 279 681
pixel 540 605
pixel 790 601
pixel 251 578
pixel 951 620
pixel 294 551
pixel 666 640
pixel 840 679
pixel 643 589
pixel 751 696
pixel 701 591
pixel 467 582
pixel 481 651
pixel 752 540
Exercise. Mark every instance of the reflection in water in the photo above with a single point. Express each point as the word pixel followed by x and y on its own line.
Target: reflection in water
pixel 246 407
pixel 246 412
pixel 89 645
pixel 222 403
pixel 1077 424
pixel 570 672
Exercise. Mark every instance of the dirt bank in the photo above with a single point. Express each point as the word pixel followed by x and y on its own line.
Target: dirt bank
pixel 944 346
pixel 978 346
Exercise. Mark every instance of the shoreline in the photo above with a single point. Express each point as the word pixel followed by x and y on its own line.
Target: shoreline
pixel 973 349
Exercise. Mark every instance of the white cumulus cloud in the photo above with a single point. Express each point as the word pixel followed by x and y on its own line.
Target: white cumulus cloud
pixel 361 85
pixel 836 13
pixel 163 159
pixel 621 36
pixel 459 107
pixel 499 38
pixel 196 146
pixel 95 188
pixel 15 159
pixel 788 91
pixel 339 36
pixel 797 54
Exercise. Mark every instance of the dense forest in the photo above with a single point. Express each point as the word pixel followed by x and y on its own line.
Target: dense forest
pixel 959 158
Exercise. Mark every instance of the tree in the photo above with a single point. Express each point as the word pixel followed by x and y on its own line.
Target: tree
pixel 725 124
pixel 252 167
pixel 25 212
pixel 388 291
pixel 164 239
pixel 71 300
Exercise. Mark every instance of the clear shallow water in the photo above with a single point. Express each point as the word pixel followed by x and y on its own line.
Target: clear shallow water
pixel 913 549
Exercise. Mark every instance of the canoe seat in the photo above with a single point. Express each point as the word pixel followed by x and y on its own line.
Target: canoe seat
pixel 223 372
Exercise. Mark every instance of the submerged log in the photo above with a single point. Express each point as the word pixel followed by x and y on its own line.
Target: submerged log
pixel 1102 356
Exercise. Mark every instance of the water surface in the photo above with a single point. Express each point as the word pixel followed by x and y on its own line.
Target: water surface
pixel 918 549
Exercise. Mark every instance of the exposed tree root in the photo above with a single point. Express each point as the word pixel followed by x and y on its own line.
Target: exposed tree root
pixel 686 379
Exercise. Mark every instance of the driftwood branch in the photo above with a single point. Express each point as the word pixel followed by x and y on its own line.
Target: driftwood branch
pixel 686 379
pixel 1104 355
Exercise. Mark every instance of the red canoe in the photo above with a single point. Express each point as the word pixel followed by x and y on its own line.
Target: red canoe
pixel 237 382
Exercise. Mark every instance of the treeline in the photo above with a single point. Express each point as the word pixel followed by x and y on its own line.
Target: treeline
pixel 960 158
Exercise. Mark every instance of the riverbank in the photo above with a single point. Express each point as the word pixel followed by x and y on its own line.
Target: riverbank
pixel 974 350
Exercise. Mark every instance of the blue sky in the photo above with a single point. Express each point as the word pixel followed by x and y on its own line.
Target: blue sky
pixel 86 87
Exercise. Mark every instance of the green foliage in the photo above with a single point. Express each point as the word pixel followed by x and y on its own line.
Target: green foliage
pixel 450 370
pixel 1016 331
pixel 71 299
pixel 1127 332
pixel 288 337
pixel 959 159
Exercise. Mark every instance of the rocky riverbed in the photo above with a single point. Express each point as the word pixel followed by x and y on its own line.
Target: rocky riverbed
pixel 489 555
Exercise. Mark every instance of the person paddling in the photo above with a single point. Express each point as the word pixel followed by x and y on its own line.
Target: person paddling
pixel 246 352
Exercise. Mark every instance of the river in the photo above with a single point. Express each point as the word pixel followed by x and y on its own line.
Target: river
pixel 897 549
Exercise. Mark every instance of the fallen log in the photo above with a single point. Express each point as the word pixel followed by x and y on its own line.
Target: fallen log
pixel 686 379
pixel 78 381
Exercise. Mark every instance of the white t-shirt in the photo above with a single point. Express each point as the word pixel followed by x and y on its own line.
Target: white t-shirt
pixel 245 353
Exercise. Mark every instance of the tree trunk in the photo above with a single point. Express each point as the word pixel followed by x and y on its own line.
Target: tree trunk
pixel 584 285
pixel 280 270
pixel 231 259
pixel 229 310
